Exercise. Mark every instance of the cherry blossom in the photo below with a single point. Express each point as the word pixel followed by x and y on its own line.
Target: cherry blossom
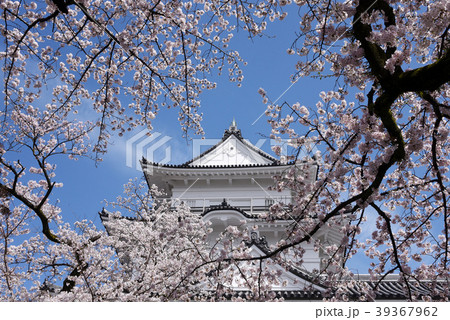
pixel 379 136
pixel 382 136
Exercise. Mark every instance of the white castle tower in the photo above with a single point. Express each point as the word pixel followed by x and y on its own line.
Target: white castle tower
pixel 229 183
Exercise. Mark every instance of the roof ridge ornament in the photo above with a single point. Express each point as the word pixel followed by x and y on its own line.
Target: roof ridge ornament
pixel 233 126
pixel 233 130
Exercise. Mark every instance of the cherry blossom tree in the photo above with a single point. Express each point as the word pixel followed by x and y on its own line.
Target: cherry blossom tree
pixel 126 60
pixel 380 137
pixel 155 257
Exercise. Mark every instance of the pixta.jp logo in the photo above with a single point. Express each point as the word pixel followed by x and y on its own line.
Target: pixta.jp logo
pixel 154 147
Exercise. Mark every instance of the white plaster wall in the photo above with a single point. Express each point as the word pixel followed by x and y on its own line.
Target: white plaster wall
pixel 237 193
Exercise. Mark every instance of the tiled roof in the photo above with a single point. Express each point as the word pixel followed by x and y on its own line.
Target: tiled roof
pixel 229 132
pixel 395 289
pixel 186 165
pixel 225 206
pixel 386 290
pixel 238 135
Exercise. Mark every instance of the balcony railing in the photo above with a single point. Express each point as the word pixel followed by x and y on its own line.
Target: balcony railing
pixel 247 204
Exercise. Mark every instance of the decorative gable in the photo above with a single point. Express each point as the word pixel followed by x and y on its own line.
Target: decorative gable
pixel 233 150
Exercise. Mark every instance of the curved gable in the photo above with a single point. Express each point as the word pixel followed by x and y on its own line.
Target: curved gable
pixel 231 152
